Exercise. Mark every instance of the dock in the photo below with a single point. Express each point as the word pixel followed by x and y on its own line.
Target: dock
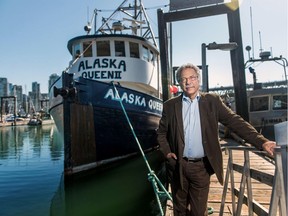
pixel 14 123
pixel 261 168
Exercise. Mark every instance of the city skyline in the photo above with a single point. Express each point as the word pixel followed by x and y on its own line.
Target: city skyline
pixel 14 99
pixel 51 78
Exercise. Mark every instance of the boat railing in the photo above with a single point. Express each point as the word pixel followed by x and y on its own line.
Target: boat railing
pixel 278 182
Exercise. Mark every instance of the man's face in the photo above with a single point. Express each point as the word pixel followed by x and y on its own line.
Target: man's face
pixel 189 82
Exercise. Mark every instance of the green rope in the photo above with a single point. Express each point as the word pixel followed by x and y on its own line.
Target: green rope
pixel 210 210
pixel 151 175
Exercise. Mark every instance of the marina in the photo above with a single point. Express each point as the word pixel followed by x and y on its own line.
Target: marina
pixel 26 121
pixel 13 115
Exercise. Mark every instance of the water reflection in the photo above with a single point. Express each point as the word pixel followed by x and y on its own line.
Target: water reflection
pixel 120 189
pixel 28 140
pixel 32 183
pixel 31 164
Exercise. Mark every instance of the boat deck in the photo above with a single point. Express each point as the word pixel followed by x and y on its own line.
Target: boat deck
pixel 261 192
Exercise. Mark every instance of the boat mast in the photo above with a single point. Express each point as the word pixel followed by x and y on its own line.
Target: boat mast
pixel 101 28
pixel 252 36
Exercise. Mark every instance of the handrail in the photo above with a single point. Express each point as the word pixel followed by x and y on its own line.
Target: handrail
pixel 278 189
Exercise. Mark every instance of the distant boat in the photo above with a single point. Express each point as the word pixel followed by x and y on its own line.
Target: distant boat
pixel 109 67
pixel 34 122
pixel 40 118
pixel 267 107
pixel 11 120
pixel 267 102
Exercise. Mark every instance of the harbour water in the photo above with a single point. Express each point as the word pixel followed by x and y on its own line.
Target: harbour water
pixel 32 183
pixel 31 165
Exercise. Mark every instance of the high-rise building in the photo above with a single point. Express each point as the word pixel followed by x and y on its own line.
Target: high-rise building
pixel 3 87
pixel 35 97
pixel 18 93
pixel 52 78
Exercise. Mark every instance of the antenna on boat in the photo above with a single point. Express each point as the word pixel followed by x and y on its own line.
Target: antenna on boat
pixel 271 51
pixel 251 23
pixel 264 55
pixel 87 28
pixel 88 14
pixel 260 39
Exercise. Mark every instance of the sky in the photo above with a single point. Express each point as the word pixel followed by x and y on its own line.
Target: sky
pixel 34 36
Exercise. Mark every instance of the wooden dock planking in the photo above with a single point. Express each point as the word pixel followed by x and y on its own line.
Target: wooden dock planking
pixel 261 192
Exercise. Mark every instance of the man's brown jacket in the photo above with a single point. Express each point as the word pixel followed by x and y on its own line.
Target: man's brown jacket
pixel 170 134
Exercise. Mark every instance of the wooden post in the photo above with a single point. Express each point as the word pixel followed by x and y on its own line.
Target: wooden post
pixel 166 75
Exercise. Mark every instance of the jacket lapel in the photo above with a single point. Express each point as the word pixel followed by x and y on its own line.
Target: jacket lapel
pixel 203 112
pixel 179 119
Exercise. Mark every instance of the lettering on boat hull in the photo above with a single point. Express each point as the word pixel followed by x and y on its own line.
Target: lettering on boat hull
pixel 105 68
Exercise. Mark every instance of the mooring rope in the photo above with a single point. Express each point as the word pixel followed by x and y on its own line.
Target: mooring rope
pixel 152 177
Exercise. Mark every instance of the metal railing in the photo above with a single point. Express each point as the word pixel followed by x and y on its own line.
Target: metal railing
pixel 278 182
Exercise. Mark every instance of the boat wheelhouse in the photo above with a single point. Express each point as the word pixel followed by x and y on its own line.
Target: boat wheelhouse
pixel 267 107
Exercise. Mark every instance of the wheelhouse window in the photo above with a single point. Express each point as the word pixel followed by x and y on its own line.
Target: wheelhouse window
pixel 87 49
pixel 259 104
pixel 145 52
pixel 103 48
pixel 152 56
pixel 119 48
pixel 279 102
pixel 134 50
pixel 76 51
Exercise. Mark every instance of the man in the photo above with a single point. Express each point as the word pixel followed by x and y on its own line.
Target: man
pixel 188 138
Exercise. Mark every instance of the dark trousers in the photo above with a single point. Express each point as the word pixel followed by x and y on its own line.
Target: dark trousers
pixel 192 199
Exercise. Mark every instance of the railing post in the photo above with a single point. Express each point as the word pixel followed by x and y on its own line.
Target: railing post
pixel 245 179
pixel 248 181
pixel 278 193
pixel 229 171
pixel 281 138
pixel 232 185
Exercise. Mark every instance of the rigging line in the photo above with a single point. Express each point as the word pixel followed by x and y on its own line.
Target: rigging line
pixel 146 8
pixel 88 14
pixel 77 58
pixel 260 39
pixel 151 176
pixel 156 7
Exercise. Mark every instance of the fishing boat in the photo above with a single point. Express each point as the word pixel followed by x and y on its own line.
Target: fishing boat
pixel 110 94
pixel 267 102
pixel 267 107
pixel 40 118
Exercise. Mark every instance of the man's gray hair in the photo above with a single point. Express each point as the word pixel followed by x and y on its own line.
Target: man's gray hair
pixel 185 66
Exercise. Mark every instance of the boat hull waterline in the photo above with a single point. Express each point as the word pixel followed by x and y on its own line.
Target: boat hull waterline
pixel 99 131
